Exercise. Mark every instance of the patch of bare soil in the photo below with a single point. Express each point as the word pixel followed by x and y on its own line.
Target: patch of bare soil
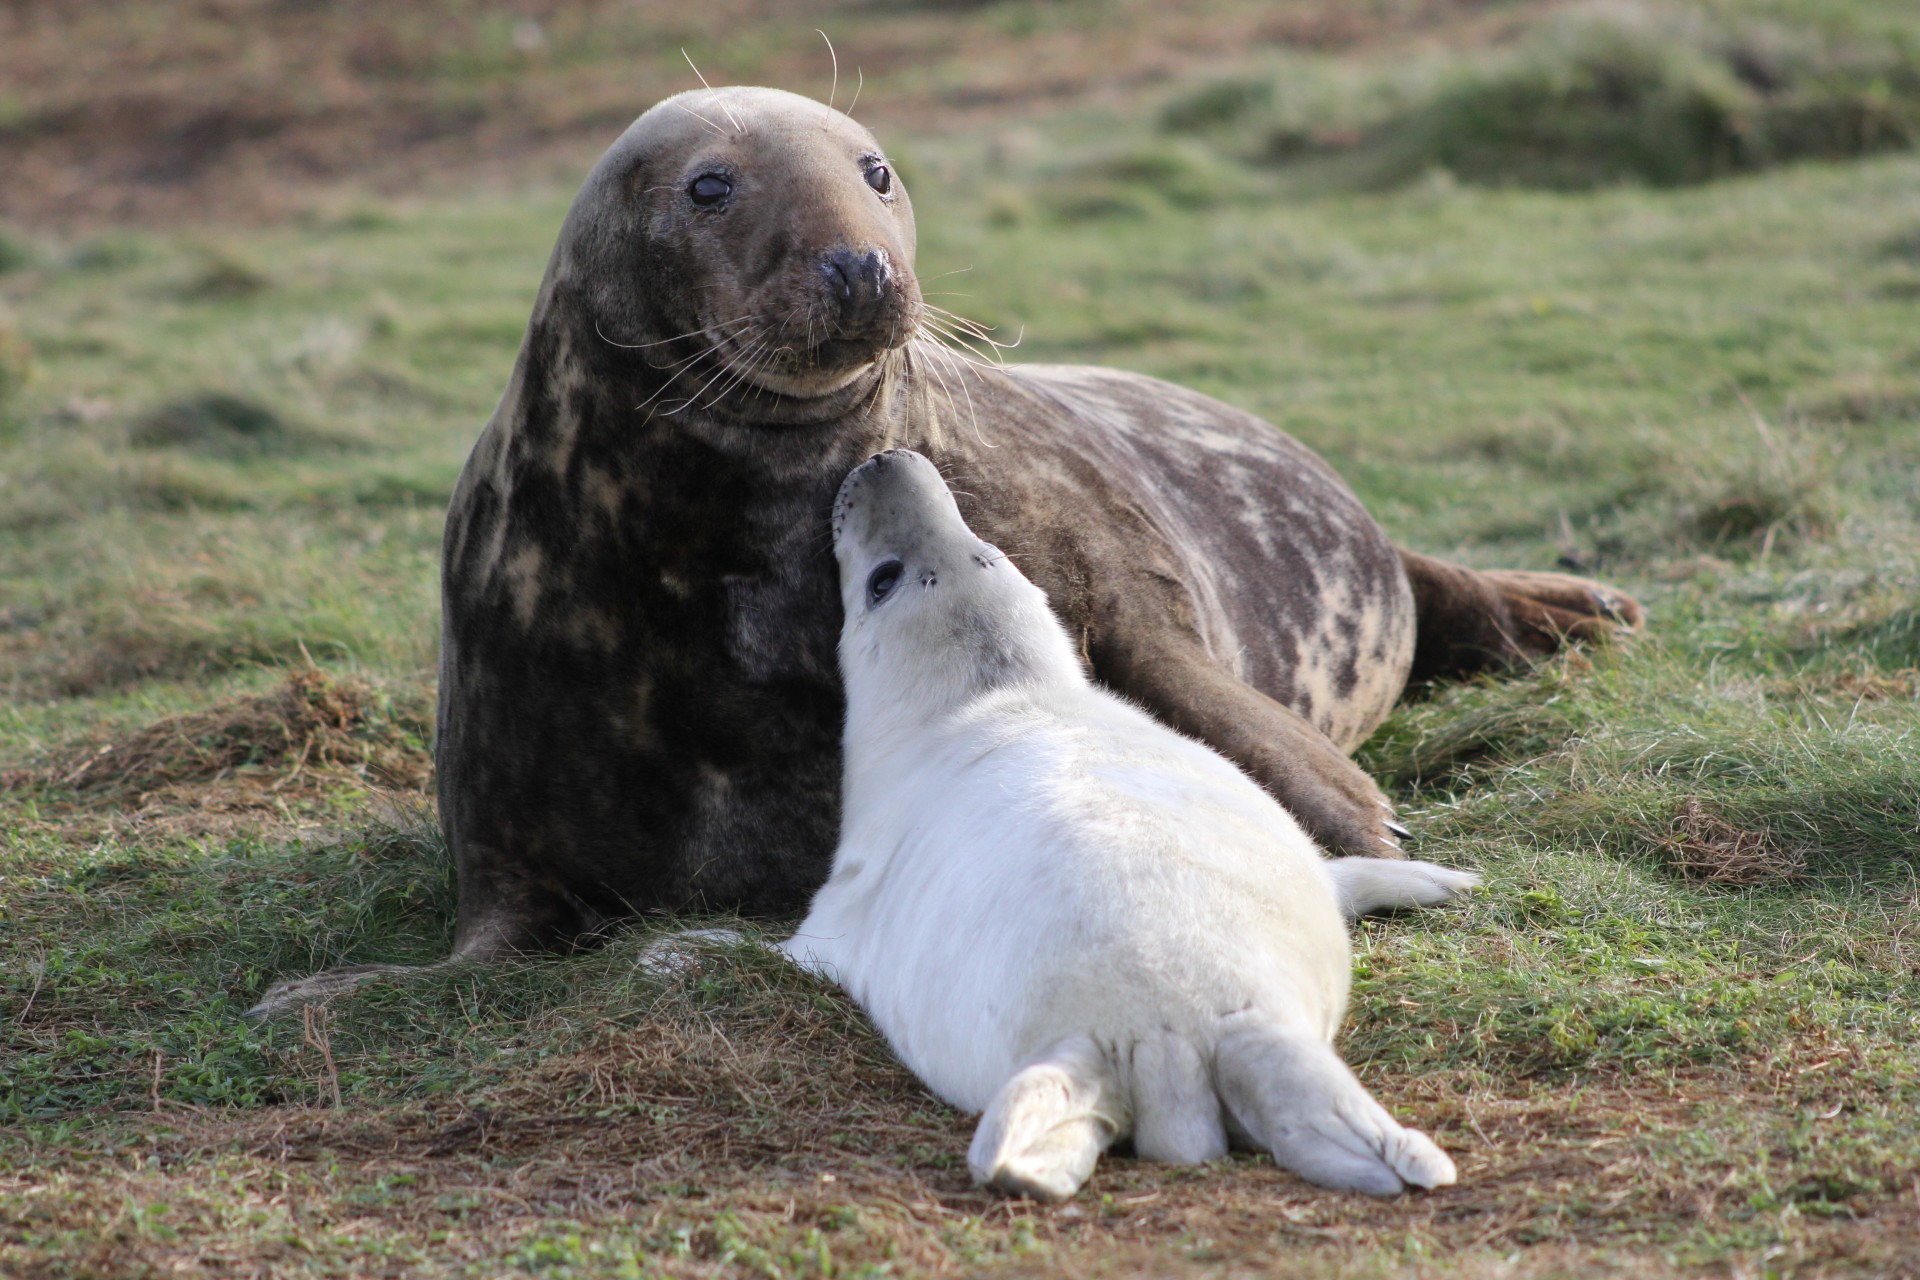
pixel 254 109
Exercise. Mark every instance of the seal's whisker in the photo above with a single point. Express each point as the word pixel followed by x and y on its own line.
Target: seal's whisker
pixel 945 390
pixel 687 403
pixel 932 372
pixel 681 363
pixel 641 346
pixel 940 324
pixel 684 365
pixel 834 90
pixel 968 322
pixel 736 368
pixel 718 100
pixel 973 360
pixel 823 540
pixel 753 364
pixel 956 345
pixel 972 415
pixel 856 91
pixel 974 330
pixel 984 332
pixel 662 389
pixel 944 274
pixel 702 119
pixel 780 329
pixel 714 338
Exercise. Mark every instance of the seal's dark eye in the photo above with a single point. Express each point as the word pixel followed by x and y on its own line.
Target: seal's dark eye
pixel 882 581
pixel 880 178
pixel 709 189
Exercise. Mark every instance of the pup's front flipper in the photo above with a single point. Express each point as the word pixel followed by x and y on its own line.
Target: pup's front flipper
pixel 1388 884
pixel 1292 1095
pixel 1047 1126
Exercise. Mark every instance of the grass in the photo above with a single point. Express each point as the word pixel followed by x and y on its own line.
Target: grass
pixel 1590 96
pixel 1674 1036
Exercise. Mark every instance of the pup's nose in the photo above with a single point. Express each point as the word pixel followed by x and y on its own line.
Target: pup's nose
pixel 857 281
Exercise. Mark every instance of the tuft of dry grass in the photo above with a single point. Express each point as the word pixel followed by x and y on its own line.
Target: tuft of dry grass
pixel 315 727
pixel 1701 845
pixel 1852 687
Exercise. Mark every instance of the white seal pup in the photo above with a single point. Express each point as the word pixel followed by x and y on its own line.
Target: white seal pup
pixel 1061 912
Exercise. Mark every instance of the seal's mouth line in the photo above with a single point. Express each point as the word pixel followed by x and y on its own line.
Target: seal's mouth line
pixel 753 355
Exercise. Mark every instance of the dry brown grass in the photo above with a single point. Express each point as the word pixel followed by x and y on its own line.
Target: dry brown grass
pixel 789 1129
pixel 1844 687
pixel 239 762
pixel 1701 845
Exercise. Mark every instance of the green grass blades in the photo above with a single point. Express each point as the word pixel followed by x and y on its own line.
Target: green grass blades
pixel 1673 1036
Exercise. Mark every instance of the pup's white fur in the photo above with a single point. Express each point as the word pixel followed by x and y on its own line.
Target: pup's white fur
pixel 1065 914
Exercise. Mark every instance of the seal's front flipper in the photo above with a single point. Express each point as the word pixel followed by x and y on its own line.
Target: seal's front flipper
pixel 1043 1131
pixel 1331 796
pixel 1388 884
pixel 1291 1094
pixel 295 993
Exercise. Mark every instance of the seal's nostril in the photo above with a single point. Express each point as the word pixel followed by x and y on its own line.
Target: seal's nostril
pixel 857 280
pixel 839 279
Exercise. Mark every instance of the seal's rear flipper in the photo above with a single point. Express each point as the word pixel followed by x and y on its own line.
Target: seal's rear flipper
pixel 1045 1128
pixel 1388 884
pixel 1292 1095
pixel 1468 621
pixel 1176 1111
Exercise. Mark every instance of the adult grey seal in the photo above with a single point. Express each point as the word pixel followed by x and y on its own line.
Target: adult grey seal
pixel 639 706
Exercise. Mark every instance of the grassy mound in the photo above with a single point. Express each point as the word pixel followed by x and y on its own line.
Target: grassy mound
pixel 1596 96
pixel 313 721
pixel 1607 99
pixel 222 424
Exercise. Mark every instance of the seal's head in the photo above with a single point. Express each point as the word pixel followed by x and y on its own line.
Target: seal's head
pixel 754 229
pixel 933 614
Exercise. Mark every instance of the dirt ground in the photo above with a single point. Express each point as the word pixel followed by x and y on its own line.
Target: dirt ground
pixel 250 110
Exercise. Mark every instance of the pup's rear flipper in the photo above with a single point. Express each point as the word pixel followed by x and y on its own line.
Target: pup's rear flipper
pixel 1047 1126
pixel 1390 884
pixel 1293 1096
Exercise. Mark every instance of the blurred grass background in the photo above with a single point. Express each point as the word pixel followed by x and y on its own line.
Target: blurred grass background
pixel 1629 289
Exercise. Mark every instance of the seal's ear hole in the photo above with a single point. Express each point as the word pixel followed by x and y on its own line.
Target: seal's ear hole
pixel 882 581
pixel 709 189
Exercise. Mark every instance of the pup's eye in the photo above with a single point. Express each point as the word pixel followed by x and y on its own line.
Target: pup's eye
pixel 880 178
pixel 883 580
pixel 709 189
